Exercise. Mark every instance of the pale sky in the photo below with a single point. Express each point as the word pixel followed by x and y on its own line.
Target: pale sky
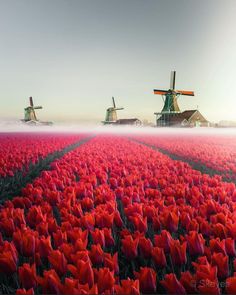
pixel 72 56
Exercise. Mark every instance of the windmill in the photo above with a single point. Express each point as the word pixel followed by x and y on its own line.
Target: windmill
pixel 30 116
pixel 170 98
pixel 111 114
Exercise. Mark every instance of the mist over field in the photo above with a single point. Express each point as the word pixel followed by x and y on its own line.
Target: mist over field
pixel 18 126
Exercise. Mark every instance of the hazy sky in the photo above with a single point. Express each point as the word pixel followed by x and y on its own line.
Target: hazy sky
pixel 72 56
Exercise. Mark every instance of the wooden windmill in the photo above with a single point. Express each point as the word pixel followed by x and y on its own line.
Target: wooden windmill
pixel 111 114
pixel 30 115
pixel 170 97
pixel 30 111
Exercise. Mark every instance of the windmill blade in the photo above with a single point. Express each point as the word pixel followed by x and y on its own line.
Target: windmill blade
pixel 31 101
pixel 113 100
pixel 118 109
pixel 172 80
pixel 184 92
pixel 38 108
pixel 160 92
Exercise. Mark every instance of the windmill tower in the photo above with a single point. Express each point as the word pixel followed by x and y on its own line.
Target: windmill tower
pixel 111 114
pixel 170 97
pixel 30 115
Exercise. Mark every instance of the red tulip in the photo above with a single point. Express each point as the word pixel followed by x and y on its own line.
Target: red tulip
pixel 105 280
pixel 59 238
pixel 45 246
pixel 189 282
pixel 113 182
pixel 163 240
pixel 222 263
pixel 42 229
pixel 28 244
pixel 185 219
pixel 172 285
pixel 7 226
pixel 52 225
pixel 73 287
pixel 204 271
pixel 7 263
pixel 80 245
pixel 170 221
pixel 217 246
pixel 196 243
pixel 145 247
pixel 219 230
pixel 87 204
pixel 147 280
pixel 80 255
pixel 156 223
pixel 35 216
pixel 130 247
pixel 67 249
pixel 50 282
pixel 77 233
pixel 104 220
pixel 128 287
pixel 124 232
pixel 231 229
pixel 83 272
pixel 96 254
pixel 140 223
pixel 88 221
pixel 205 228
pixel 58 262
pixel 178 252
pixel 149 212
pixel 158 256
pixel 27 276
pixel 193 226
pixel 98 237
pixel 230 247
pixel 9 247
pixel 109 241
pixel 112 262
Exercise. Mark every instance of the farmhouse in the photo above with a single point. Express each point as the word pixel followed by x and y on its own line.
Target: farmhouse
pixel 189 118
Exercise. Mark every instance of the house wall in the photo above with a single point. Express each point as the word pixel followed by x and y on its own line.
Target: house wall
pixel 197 119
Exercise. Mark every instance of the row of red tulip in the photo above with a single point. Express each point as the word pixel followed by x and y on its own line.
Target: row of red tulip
pixel 215 152
pixel 117 217
pixel 18 151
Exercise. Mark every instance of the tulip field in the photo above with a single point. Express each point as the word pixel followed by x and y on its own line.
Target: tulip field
pixel 113 214
pixel 215 152
pixel 17 151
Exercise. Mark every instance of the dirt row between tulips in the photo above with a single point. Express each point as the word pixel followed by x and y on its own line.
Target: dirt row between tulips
pixel 11 187
pixel 194 164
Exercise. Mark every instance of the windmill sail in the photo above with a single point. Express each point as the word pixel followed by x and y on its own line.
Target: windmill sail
pixel 31 101
pixel 172 80
pixel 113 101
pixel 184 92
pixel 171 96
pixel 160 92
